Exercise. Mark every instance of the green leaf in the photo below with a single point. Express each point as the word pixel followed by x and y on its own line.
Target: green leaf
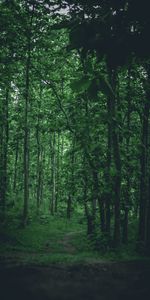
pixel 81 85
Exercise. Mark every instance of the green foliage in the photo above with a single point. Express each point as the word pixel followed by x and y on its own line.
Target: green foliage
pixel 82 85
pixel 74 123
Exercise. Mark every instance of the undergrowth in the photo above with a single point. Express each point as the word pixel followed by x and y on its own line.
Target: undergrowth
pixel 47 239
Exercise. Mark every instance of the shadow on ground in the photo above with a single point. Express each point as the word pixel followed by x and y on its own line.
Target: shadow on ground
pixel 101 281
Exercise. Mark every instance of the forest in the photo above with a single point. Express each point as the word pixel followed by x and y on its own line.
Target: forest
pixel 74 131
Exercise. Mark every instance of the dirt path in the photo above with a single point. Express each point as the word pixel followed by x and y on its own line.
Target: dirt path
pixel 66 242
pixel 101 281
pixel 65 246
pixel 86 281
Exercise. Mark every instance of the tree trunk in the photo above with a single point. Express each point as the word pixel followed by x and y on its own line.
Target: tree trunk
pixel 53 199
pixel 4 152
pixel 58 173
pixel 117 159
pixel 71 180
pixel 38 165
pixel 148 221
pixel 90 225
pixel 99 200
pixel 86 200
pixel 144 176
pixel 128 170
pixel 26 123
pixel 117 189
pixel 69 202
pixel 26 144
pixel 107 174
pixel 15 166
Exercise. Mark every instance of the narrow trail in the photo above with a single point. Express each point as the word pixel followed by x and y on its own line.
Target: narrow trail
pixel 99 280
pixel 66 242
pixel 18 257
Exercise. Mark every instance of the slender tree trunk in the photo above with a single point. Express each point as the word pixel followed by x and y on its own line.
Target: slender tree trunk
pixel 107 175
pixel 71 180
pixel 148 206
pixel 26 144
pixel 15 166
pixel 26 123
pixel 126 214
pixel 117 159
pixel 101 204
pixel 117 189
pixel 38 166
pixel 4 152
pixel 99 200
pixel 88 206
pixel 58 175
pixel 128 171
pixel 53 199
pixel 69 206
pixel 1 158
pixel 89 163
pixel 148 220
pixel 89 217
pixel 42 176
pixel 54 173
pixel 144 175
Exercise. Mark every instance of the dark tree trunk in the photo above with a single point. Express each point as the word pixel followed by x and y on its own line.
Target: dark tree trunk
pixel 53 160
pixel 107 174
pixel 69 202
pixel 71 180
pixel 4 152
pixel 98 199
pixel 15 166
pixel 117 158
pixel 38 166
pixel 86 201
pixel 148 222
pixel 101 204
pixel 57 175
pixel 144 175
pixel 128 170
pixel 117 188
pixel 26 123
pixel 26 143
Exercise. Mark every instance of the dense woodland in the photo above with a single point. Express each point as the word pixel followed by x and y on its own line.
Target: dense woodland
pixel 74 115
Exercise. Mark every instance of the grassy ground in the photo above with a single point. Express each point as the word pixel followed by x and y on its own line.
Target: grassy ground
pixel 52 258
pixel 52 240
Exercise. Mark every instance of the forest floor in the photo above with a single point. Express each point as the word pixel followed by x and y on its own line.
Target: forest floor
pixel 54 260
pixel 95 281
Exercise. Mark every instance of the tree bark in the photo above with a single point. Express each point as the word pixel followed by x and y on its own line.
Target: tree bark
pixel 144 175
pixel 117 158
pixel 53 160
pixel 58 173
pixel 90 225
pixel 71 180
pixel 4 152
pixel 26 122
pixel 107 174
pixel 15 166
pixel 38 166
pixel 128 170
pixel 148 220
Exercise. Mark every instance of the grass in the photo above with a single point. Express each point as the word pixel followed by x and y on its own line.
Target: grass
pixel 54 240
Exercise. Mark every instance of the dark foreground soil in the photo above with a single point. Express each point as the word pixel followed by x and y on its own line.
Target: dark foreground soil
pixel 100 281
